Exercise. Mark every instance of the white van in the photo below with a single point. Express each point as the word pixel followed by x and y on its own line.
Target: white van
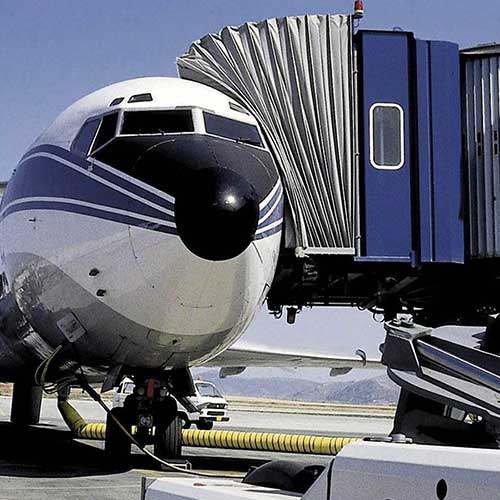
pixel 210 403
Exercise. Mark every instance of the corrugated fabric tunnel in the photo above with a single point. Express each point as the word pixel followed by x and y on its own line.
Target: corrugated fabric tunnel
pixel 295 75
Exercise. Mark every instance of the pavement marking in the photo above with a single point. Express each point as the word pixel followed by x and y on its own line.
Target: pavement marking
pixel 152 473
pixel 190 472
pixel 90 487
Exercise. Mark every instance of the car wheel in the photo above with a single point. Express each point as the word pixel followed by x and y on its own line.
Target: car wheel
pixel 204 425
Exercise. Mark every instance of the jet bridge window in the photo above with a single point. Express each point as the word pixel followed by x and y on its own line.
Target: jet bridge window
pixel 386 136
pixel 157 122
pixel 232 129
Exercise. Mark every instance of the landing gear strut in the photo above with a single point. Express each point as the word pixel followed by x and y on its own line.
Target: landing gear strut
pixel 154 414
pixel 26 403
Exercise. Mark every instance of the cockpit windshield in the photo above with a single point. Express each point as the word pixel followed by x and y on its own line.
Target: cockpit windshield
pixel 232 129
pixel 157 122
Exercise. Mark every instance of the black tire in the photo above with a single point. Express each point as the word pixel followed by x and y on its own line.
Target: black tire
pixel 117 443
pixel 205 425
pixel 284 475
pixel 168 439
pixel 168 430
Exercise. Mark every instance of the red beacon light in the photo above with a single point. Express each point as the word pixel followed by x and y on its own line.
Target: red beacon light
pixel 359 10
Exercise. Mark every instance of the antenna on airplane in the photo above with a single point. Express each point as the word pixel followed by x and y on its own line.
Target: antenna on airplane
pixel 359 10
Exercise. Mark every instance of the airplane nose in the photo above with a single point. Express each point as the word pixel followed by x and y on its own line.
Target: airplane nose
pixel 216 213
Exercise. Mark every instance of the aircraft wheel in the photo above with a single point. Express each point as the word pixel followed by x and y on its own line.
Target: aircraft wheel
pixel 117 443
pixel 205 425
pixel 168 430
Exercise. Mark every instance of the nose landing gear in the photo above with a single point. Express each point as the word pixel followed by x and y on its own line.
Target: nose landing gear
pixel 151 414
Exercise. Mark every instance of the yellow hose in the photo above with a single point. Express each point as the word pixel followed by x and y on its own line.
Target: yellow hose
pixel 77 424
pixel 261 441
pixel 266 441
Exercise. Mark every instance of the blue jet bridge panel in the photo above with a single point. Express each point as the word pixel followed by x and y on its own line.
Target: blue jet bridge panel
pixel 410 136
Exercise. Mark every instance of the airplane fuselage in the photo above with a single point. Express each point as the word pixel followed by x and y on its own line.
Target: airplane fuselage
pixel 146 231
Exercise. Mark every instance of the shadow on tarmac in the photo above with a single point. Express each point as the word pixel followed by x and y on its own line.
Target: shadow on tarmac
pixel 45 451
pixel 48 451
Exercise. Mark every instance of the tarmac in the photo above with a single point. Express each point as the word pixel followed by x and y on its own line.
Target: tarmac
pixel 43 462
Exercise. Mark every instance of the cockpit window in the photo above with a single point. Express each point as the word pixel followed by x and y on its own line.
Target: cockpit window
pixel 157 122
pixel 107 131
pixel 84 139
pixel 232 129
pixel 95 133
pixel 141 98
pixel 116 101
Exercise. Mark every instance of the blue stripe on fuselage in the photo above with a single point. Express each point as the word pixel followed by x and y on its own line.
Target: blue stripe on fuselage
pixel 276 214
pixel 46 177
pixel 270 232
pixel 93 212
pixel 123 182
pixel 279 192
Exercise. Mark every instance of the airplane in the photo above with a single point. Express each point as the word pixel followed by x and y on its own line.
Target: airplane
pixel 139 236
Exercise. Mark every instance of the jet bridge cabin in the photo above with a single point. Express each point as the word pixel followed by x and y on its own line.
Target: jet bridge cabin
pixel 388 147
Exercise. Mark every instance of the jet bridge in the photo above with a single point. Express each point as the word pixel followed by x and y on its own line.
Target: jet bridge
pixel 388 148
pixel 295 75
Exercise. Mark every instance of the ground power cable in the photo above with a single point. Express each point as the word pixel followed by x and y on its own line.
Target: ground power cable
pixel 43 368
pixel 63 383
pixel 40 375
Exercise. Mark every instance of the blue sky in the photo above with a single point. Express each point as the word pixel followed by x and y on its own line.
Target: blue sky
pixel 54 51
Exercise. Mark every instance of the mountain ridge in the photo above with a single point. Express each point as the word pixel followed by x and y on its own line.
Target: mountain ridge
pixel 376 390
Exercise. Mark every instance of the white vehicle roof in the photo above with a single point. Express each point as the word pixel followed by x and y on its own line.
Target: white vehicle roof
pixel 204 382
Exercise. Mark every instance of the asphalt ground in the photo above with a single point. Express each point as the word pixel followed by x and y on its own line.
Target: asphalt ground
pixel 43 462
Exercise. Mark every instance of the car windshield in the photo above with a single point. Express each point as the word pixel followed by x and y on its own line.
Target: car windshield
pixel 128 388
pixel 207 390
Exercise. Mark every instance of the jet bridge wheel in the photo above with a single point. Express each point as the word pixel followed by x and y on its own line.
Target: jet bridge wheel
pixel 168 430
pixel 117 443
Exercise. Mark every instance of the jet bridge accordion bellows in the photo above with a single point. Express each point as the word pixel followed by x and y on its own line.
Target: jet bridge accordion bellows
pixel 481 106
pixel 295 75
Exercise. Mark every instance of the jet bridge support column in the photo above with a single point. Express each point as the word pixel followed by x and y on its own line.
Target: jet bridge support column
pixel 26 403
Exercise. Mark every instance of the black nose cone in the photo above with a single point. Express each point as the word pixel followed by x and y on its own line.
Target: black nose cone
pixel 216 213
